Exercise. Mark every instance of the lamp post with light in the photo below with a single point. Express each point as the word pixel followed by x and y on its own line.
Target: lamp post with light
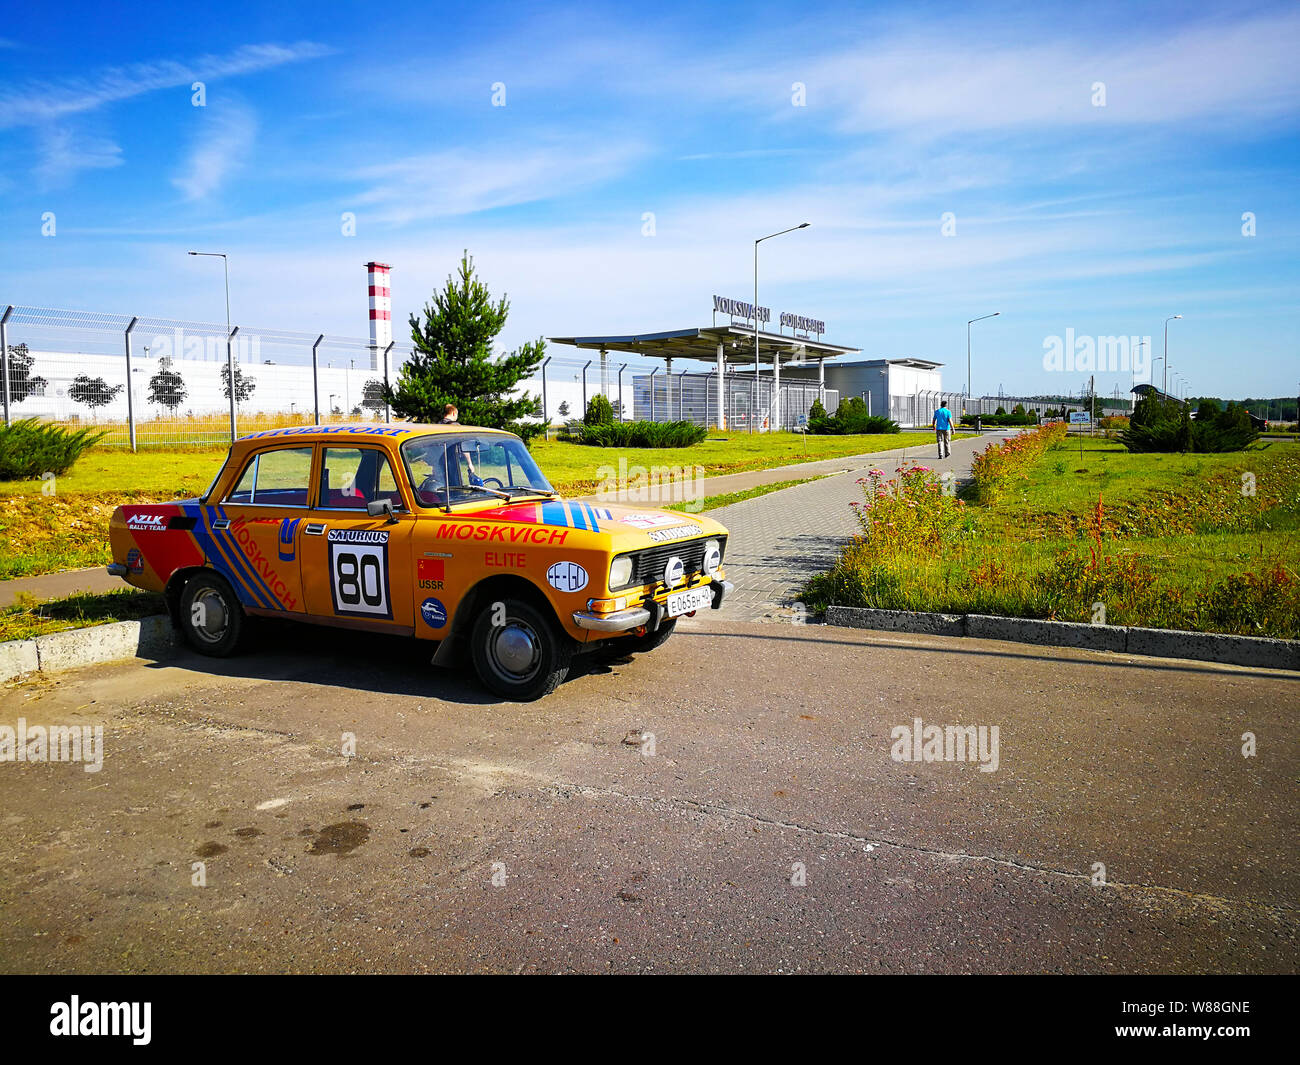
pixel 968 325
pixel 230 358
pixel 754 403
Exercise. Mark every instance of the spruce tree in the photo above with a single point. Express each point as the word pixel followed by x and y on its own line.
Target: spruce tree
pixel 452 361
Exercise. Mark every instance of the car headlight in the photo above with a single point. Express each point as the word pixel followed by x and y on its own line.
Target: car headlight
pixel 620 572
pixel 712 557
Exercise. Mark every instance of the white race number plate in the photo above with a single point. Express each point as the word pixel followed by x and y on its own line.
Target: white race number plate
pixel 685 602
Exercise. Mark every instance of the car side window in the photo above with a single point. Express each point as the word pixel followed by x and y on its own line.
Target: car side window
pixel 351 477
pixel 275 479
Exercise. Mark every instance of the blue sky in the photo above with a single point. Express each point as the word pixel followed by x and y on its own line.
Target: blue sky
pixel 1100 219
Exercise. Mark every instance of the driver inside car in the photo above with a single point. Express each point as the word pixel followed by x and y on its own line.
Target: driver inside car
pixel 444 466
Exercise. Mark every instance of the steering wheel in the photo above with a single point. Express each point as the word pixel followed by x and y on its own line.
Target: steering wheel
pixel 492 481
pixel 430 486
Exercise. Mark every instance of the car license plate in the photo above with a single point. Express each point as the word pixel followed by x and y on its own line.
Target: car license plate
pixel 685 602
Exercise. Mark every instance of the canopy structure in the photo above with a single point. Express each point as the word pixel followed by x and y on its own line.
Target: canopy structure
pixel 723 345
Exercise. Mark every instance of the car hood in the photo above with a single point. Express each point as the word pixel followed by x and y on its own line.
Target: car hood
pixel 628 527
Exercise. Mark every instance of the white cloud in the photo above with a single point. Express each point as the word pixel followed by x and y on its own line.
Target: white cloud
pixel 461 181
pixel 223 144
pixel 62 153
pixel 36 102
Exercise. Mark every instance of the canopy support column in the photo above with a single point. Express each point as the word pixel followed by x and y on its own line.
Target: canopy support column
pixel 722 370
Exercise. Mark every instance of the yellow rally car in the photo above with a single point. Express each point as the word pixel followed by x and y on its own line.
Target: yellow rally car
pixel 444 532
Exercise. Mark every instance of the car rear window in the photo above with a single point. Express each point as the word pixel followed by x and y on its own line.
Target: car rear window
pixel 275 479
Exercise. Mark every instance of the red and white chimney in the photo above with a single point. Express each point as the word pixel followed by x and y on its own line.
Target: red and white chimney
pixel 381 312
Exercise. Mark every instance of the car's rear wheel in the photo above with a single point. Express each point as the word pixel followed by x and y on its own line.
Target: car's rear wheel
pixel 210 615
pixel 518 652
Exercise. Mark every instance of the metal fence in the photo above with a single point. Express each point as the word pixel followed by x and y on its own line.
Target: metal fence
pixel 693 397
pixel 918 410
pixel 158 382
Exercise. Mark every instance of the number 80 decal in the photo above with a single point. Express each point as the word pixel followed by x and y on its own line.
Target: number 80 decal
pixel 358 561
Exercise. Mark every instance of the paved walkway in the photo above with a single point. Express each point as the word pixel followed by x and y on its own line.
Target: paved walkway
pixel 778 541
pixel 59 585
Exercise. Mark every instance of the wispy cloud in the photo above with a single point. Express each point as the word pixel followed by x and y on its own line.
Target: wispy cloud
pixel 63 153
pixel 923 82
pixel 463 181
pixel 223 143
pixel 38 102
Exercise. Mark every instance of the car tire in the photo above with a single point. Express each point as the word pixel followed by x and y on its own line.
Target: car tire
pixel 523 658
pixel 210 615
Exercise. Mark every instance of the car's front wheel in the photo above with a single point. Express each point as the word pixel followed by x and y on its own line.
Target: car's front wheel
pixel 210 615
pixel 518 652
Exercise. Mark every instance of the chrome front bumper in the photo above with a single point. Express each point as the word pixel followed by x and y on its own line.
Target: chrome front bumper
pixel 619 621
pixel 638 616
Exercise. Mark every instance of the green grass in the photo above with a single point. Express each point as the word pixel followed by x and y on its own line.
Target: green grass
pixel 1175 544
pixel 727 498
pixel 27 619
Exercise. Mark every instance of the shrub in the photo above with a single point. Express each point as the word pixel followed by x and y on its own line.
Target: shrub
pixel 998 419
pixel 599 411
pixel 995 467
pixel 851 419
pixel 1164 425
pixel 29 448
pixel 635 434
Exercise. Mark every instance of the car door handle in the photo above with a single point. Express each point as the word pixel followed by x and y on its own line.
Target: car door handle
pixel 314 529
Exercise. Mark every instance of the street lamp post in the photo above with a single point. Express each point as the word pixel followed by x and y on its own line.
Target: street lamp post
pixel 968 325
pixel 230 358
pixel 775 356
pixel 1166 366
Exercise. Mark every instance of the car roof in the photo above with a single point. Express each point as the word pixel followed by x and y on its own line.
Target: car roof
pixel 358 431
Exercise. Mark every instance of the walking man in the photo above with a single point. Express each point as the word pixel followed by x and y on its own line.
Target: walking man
pixel 450 415
pixel 943 430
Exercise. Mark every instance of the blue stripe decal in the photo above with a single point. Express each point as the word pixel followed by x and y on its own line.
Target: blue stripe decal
pixel 579 519
pixel 216 556
pixel 236 566
pixel 555 514
pixel 259 582
pixel 591 517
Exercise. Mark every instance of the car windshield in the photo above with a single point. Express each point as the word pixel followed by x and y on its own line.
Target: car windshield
pixel 457 468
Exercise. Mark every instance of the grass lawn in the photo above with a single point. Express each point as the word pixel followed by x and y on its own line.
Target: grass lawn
pixel 68 529
pixel 727 498
pixel 25 620
pixel 1167 541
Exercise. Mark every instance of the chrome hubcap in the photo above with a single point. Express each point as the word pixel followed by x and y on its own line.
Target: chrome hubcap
pixel 515 649
pixel 209 615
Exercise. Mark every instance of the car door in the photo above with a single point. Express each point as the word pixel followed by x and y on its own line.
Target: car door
pixel 358 568
pixel 255 531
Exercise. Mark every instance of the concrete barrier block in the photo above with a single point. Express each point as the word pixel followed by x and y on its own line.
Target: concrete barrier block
pixel 18 657
pixel 856 617
pixel 1050 633
pixel 148 638
pixel 1216 647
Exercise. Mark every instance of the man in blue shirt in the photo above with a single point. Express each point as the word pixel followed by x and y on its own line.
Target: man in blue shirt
pixel 943 430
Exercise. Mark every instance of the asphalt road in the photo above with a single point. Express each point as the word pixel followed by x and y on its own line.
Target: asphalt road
pixel 771 753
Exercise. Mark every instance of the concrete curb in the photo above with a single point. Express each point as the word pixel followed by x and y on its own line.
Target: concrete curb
pixel 151 637
pixel 1160 643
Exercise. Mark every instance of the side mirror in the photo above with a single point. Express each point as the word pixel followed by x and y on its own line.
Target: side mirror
pixel 377 508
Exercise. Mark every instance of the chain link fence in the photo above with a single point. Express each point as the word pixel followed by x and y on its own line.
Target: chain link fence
pixel 158 382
